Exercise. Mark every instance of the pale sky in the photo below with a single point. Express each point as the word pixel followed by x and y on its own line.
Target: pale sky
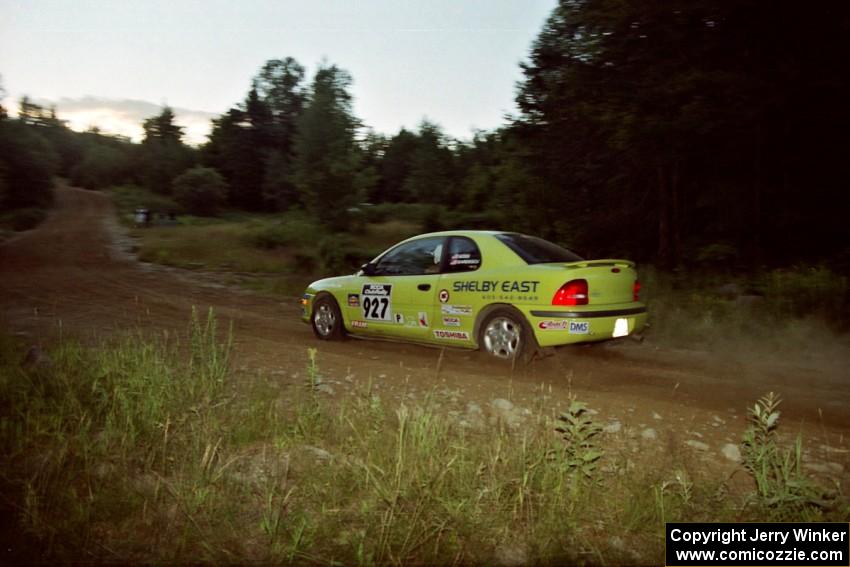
pixel 112 63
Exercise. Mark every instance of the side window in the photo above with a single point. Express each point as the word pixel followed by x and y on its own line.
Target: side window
pixel 464 255
pixel 419 257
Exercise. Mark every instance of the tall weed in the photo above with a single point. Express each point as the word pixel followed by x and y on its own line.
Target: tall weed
pixel 781 485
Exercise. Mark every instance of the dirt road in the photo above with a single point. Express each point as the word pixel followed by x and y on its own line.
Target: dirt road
pixel 73 275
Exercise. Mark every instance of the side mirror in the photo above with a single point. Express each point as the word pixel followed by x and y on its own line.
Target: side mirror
pixel 368 269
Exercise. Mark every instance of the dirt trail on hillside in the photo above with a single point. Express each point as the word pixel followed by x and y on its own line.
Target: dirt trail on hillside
pixel 74 275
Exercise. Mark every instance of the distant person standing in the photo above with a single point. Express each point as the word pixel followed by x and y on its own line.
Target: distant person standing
pixel 142 218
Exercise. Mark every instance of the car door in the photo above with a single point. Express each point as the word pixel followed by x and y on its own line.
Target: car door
pixel 454 314
pixel 398 291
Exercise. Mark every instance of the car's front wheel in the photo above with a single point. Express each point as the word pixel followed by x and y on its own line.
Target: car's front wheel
pixel 327 319
pixel 505 334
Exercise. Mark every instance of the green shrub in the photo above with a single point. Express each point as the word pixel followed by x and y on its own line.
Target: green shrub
pixel 24 219
pixel 805 291
pixel 433 221
pixel 489 220
pixel 304 263
pixel 201 190
pixel 411 212
pixel 128 198
pixel 339 254
pixel 293 229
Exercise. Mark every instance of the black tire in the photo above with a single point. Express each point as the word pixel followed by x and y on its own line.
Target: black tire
pixel 326 319
pixel 505 334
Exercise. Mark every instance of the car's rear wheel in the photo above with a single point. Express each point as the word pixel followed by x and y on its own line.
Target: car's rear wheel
pixel 327 319
pixel 505 334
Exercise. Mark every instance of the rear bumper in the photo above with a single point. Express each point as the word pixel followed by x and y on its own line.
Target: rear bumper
pixel 553 328
pixel 588 314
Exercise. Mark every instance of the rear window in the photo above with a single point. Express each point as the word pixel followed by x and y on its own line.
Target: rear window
pixel 536 250
pixel 464 255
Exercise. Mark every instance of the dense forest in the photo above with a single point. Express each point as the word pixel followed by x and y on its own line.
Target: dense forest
pixel 698 133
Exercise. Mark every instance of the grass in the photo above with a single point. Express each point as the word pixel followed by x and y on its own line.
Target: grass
pixel 274 254
pixel 128 198
pixel 800 314
pixel 216 247
pixel 157 451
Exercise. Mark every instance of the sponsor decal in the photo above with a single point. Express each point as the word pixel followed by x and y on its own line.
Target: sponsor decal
pixel 456 309
pixel 463 260
pixel 423 319
pixel 488 286
pixel 376 301
pixel 353 300
pixel 359 324
pixel 444 296
pixel 399 318
pixel 451 321
pixel 451 335
pixel 579 327
pixel 511 297
pixel 553 325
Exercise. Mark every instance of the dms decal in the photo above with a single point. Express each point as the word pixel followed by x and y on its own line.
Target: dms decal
pixel 375 299
pixel 451 321
pixel 353 300
pixel 553 325
pixel 423 319
pixel 444 296
pixel 452 335
pixel 456 309
pixel 486 286
pixel 579 327
pixel 359 324
pixel 399 318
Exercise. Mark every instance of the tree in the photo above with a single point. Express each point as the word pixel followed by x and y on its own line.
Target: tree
pixel 430 179
pixel 161 129
pixel 27 165
pixel 163 153
pixel 238 148
pixel 279 85
pixel 278 191
pixel 396 166
pixel 102 166
pixel 327 157
pixel 3 113
pixel 693 118
pixel 200 190
pixel 252 145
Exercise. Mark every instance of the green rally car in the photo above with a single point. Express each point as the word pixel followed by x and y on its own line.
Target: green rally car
pixel 506 293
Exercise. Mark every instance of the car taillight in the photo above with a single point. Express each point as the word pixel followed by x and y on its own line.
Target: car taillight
pixel 636 291
pixel 574 292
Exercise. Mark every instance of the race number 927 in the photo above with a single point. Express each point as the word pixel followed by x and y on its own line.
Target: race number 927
pixel 376 302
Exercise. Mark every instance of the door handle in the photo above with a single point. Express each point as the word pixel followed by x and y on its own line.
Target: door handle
pixel 424 286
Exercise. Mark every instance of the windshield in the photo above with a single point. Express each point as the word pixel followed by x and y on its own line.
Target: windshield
pixel 536 250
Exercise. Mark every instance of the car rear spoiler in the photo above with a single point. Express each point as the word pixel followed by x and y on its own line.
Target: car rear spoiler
pixel 600 263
